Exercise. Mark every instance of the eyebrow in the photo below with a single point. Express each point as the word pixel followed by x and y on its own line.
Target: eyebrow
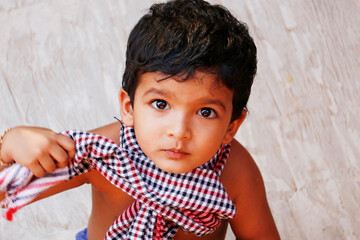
pixel 157 92
pixel 215 102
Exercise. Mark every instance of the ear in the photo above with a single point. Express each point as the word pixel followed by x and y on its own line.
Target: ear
pixel 126 109
pixel 233 127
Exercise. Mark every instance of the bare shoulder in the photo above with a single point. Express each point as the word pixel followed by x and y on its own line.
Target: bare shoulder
pixel 241 176
pixel 111 131
pixel 243 182
pixel 241 166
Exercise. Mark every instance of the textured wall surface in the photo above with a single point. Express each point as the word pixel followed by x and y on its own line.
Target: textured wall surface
pixel 61 64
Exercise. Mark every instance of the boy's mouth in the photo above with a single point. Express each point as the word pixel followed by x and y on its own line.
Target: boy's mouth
pixel 174 153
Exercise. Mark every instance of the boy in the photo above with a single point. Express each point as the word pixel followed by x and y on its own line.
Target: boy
pixel 189 70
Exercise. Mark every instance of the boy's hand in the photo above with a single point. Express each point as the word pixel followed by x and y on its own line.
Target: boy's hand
pixel 39 149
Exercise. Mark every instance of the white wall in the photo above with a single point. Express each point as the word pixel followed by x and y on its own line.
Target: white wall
pixel 61 64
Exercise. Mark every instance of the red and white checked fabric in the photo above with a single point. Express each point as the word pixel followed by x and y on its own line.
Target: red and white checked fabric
pixel 195 201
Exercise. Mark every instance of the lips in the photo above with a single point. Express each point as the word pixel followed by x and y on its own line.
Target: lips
pixel 175 153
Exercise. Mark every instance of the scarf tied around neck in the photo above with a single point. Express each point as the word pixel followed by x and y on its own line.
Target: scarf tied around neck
pixel 195 201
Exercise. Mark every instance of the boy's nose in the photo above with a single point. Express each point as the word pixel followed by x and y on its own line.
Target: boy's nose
pixel 179 128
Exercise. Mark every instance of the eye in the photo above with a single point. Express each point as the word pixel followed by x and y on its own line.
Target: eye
pixel 207 113
pixel 160 104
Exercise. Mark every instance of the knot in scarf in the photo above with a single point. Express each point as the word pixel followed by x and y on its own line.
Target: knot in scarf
pixel 195 201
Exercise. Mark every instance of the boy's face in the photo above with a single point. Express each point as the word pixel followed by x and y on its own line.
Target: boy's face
pixel 180 125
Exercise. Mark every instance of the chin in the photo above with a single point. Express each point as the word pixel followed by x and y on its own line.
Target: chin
pixel 173 169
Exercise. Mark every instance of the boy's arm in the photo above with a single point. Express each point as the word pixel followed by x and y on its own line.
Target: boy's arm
pixel 39 149
pixel 58 188
pixel 63 186
pixel 253 219
pixel 35 148
pixel 111 131
pixel 42 150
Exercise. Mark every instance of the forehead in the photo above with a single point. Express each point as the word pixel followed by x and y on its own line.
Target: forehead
pixel 199 79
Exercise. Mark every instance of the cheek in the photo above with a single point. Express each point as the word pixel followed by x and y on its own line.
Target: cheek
pixel 146 132
pixel 209 139
pixel 144 143
pixel 212 133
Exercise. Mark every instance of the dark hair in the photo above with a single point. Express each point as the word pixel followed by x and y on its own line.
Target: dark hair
pixel 181 36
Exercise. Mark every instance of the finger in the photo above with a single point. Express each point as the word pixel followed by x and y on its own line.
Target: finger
pixel 47 163
pixel 37 169
pixel 60 156
pixel 66 143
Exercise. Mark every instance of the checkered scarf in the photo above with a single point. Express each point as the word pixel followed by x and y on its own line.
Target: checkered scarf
pixel 195 201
